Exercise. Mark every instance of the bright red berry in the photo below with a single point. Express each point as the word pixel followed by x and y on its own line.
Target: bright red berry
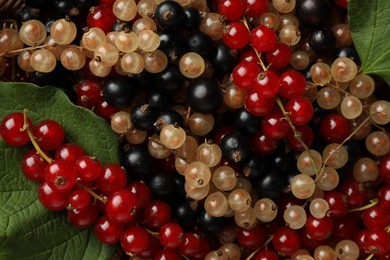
pixel 190 244
pixel 255 8
pixel 266 84
pixel 279 56
pixel 301 110
pixel 166 254
pixel 102 17
pixel 334 128
pixel 377 241
pixel 257 104
pixel 121 206
pixel 83 218
pixel 236 35
pixel 111 179
pixel 171 235
pixel 88 92
pixel 292 84
pixel 274 126
pixel 61 175
pixel 79 199
pixel 376 217
pixel 105 110
pixel 88 168
pixel 12 129
pixel 69 152
pixel 244 74
pixel 286 241
pixel 338 204
pixel 156 214
pixel 33 166
pixel 384 197
pixel 384 169
pixel 142 191
pixel 266 254
pixel 307 136
pixel 135 240
pixel 52 199
pixel 319 228
pixel 263 39
pixel 231 9
pixel 251 238
pixel 263 144
pixel 49 134
pixel 108 231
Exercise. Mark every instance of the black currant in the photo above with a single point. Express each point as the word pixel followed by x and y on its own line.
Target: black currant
pixel 169 14
pixel 172 44
pixel 281 161
pixel 225 59
pixel 350 52
pixel 168 117
pixel 64 7
pixel 183 211
pixel 170 79
pixel 192 19
pixel 162 185
pixel 245 122
pixel 119 91
pixel 208 224
pixel 270 185
pixel 200 43
pixel 235 147
pixel 138 162
pixel 28 12
pixel 143 117
pixel 322 40
pixel 313 13
pixel 85 5
pixel 204 96
pixel 254 167
pixel 120 26
pixel 158 100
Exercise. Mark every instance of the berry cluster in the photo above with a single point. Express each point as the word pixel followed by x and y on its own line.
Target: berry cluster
pixel 246 127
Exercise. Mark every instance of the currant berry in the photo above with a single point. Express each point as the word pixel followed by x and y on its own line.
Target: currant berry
pixel 111 179
pixel 319 228
pixel 306 134
pixel 121 206
pixel 33 166
pixel 255 8
pixel 231 9
pixel 258 105
pixel 166 254
pixel 274 126
pixel 251 238
pixel 169 14
pixel 337 202
pixel 49 134
pixel 52 199
pixel 266 84
pixel 12 129
pixel 79 199
pixel 235 147
pixel 377 241
pixel 190 244
pixel 236 35
pixel 376 217
pixel 244 74
pixel 61 175
pixel 286 241
pixel 292 84
pixel 334 128
pixel 102 17
pixel 108 231
pixel 156 214
pixel 69 152
pixel 88 92
pixel 142 191
pixel 262 38
pixel 88 168
pixel 171 235
pixel 83 218
pixel 301 111
pixel 135 240
pixel 279 56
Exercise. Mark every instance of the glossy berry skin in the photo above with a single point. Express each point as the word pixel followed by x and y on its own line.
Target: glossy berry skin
pixel 192 19
pixel 235 147
pixel 61 175
pixel 111 179
pixel 384 197
pixel 33 166
pixel 118 91
pixel 49 134
pixel 355 192
pixel 108 231
pixel 286 241
pixel 102 17
pixel 319 228
pixel 143 117
pixel 251 238
pixel 337 202
pixel 244 74
pixel 79 199
pixel 135 240
pixel 263 144
pixel 204 96
pixel 257 104
pixel 245 122
pixel 266 254
pixel 279 55
pixel 255 8
pixel 376 217
pixel 121 206
pixel 301 111
pixel 10 129
pixel 266 84
pixel 231 9
pixel 384 169
pixel 166 254
pixel 142 191
pixel 171 235
pixel 88 92
pixel 345 227
pixel 236 35
pixel 52 199
pixel 156 214
pixel 322 41
pixel 105 110
pixel 262 39
pixel 169 15
pixel 313 13
pixel 83 218
pixel 334 128
pixel 69 152
pixel 88 168
pixel 292 84
pixel 190 244
pixel 377 241
pixel 274 126
pixel 249 55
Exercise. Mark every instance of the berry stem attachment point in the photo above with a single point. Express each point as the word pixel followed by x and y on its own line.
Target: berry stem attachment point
pixel 32 138
pixel 92 193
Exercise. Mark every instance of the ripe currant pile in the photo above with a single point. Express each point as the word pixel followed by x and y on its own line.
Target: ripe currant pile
pixel 247 129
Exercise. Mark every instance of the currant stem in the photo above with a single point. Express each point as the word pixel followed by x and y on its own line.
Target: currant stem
pixel 297 135
pixel 264 245
pixel 370 257
pixel 372 204
pixel 32 138
pixel 27 49
pixel 92 193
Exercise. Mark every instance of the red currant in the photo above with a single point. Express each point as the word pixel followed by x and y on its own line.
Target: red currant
pixel 52 199
pixel 262 38
pixel 244 74
pixel 33 166
pixel 266 254
pixel 319 228
pixel 190 244
pixel 102 17
pixel 301 111
pixel 279 56
pixel 204 249
pixel 376 217
pixel 121 206
pixel 111 179
pixel 286 241
pixel 255 8
pixel 105 110
pixel 307 136
pixel 249 55
pixel 334 128
pixel 236 35
pixel 292 84
pixel 274 126
pixel 135 240
pixel 69 152
pixel 88 92
pixel 49 134
pixel 83 218
pixel 79 199
pixel 384 169
pixel 108 231
pixel 266 84
pixel 263 144
pixel 377 241
pixel 384 197
pixel 355 192
pixel 61 175
pixel 156 214
pixel 231 9
pixel 338 204
pixel 251 238
pixel 12 129
pixel 171 235
pixel 88 168
pixel 257 104
pixel 345 227
pixel 166 254
pixel 142 191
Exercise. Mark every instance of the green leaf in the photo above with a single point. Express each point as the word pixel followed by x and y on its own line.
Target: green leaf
pixel 370 26
pixel 81 126
pixel 27 229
